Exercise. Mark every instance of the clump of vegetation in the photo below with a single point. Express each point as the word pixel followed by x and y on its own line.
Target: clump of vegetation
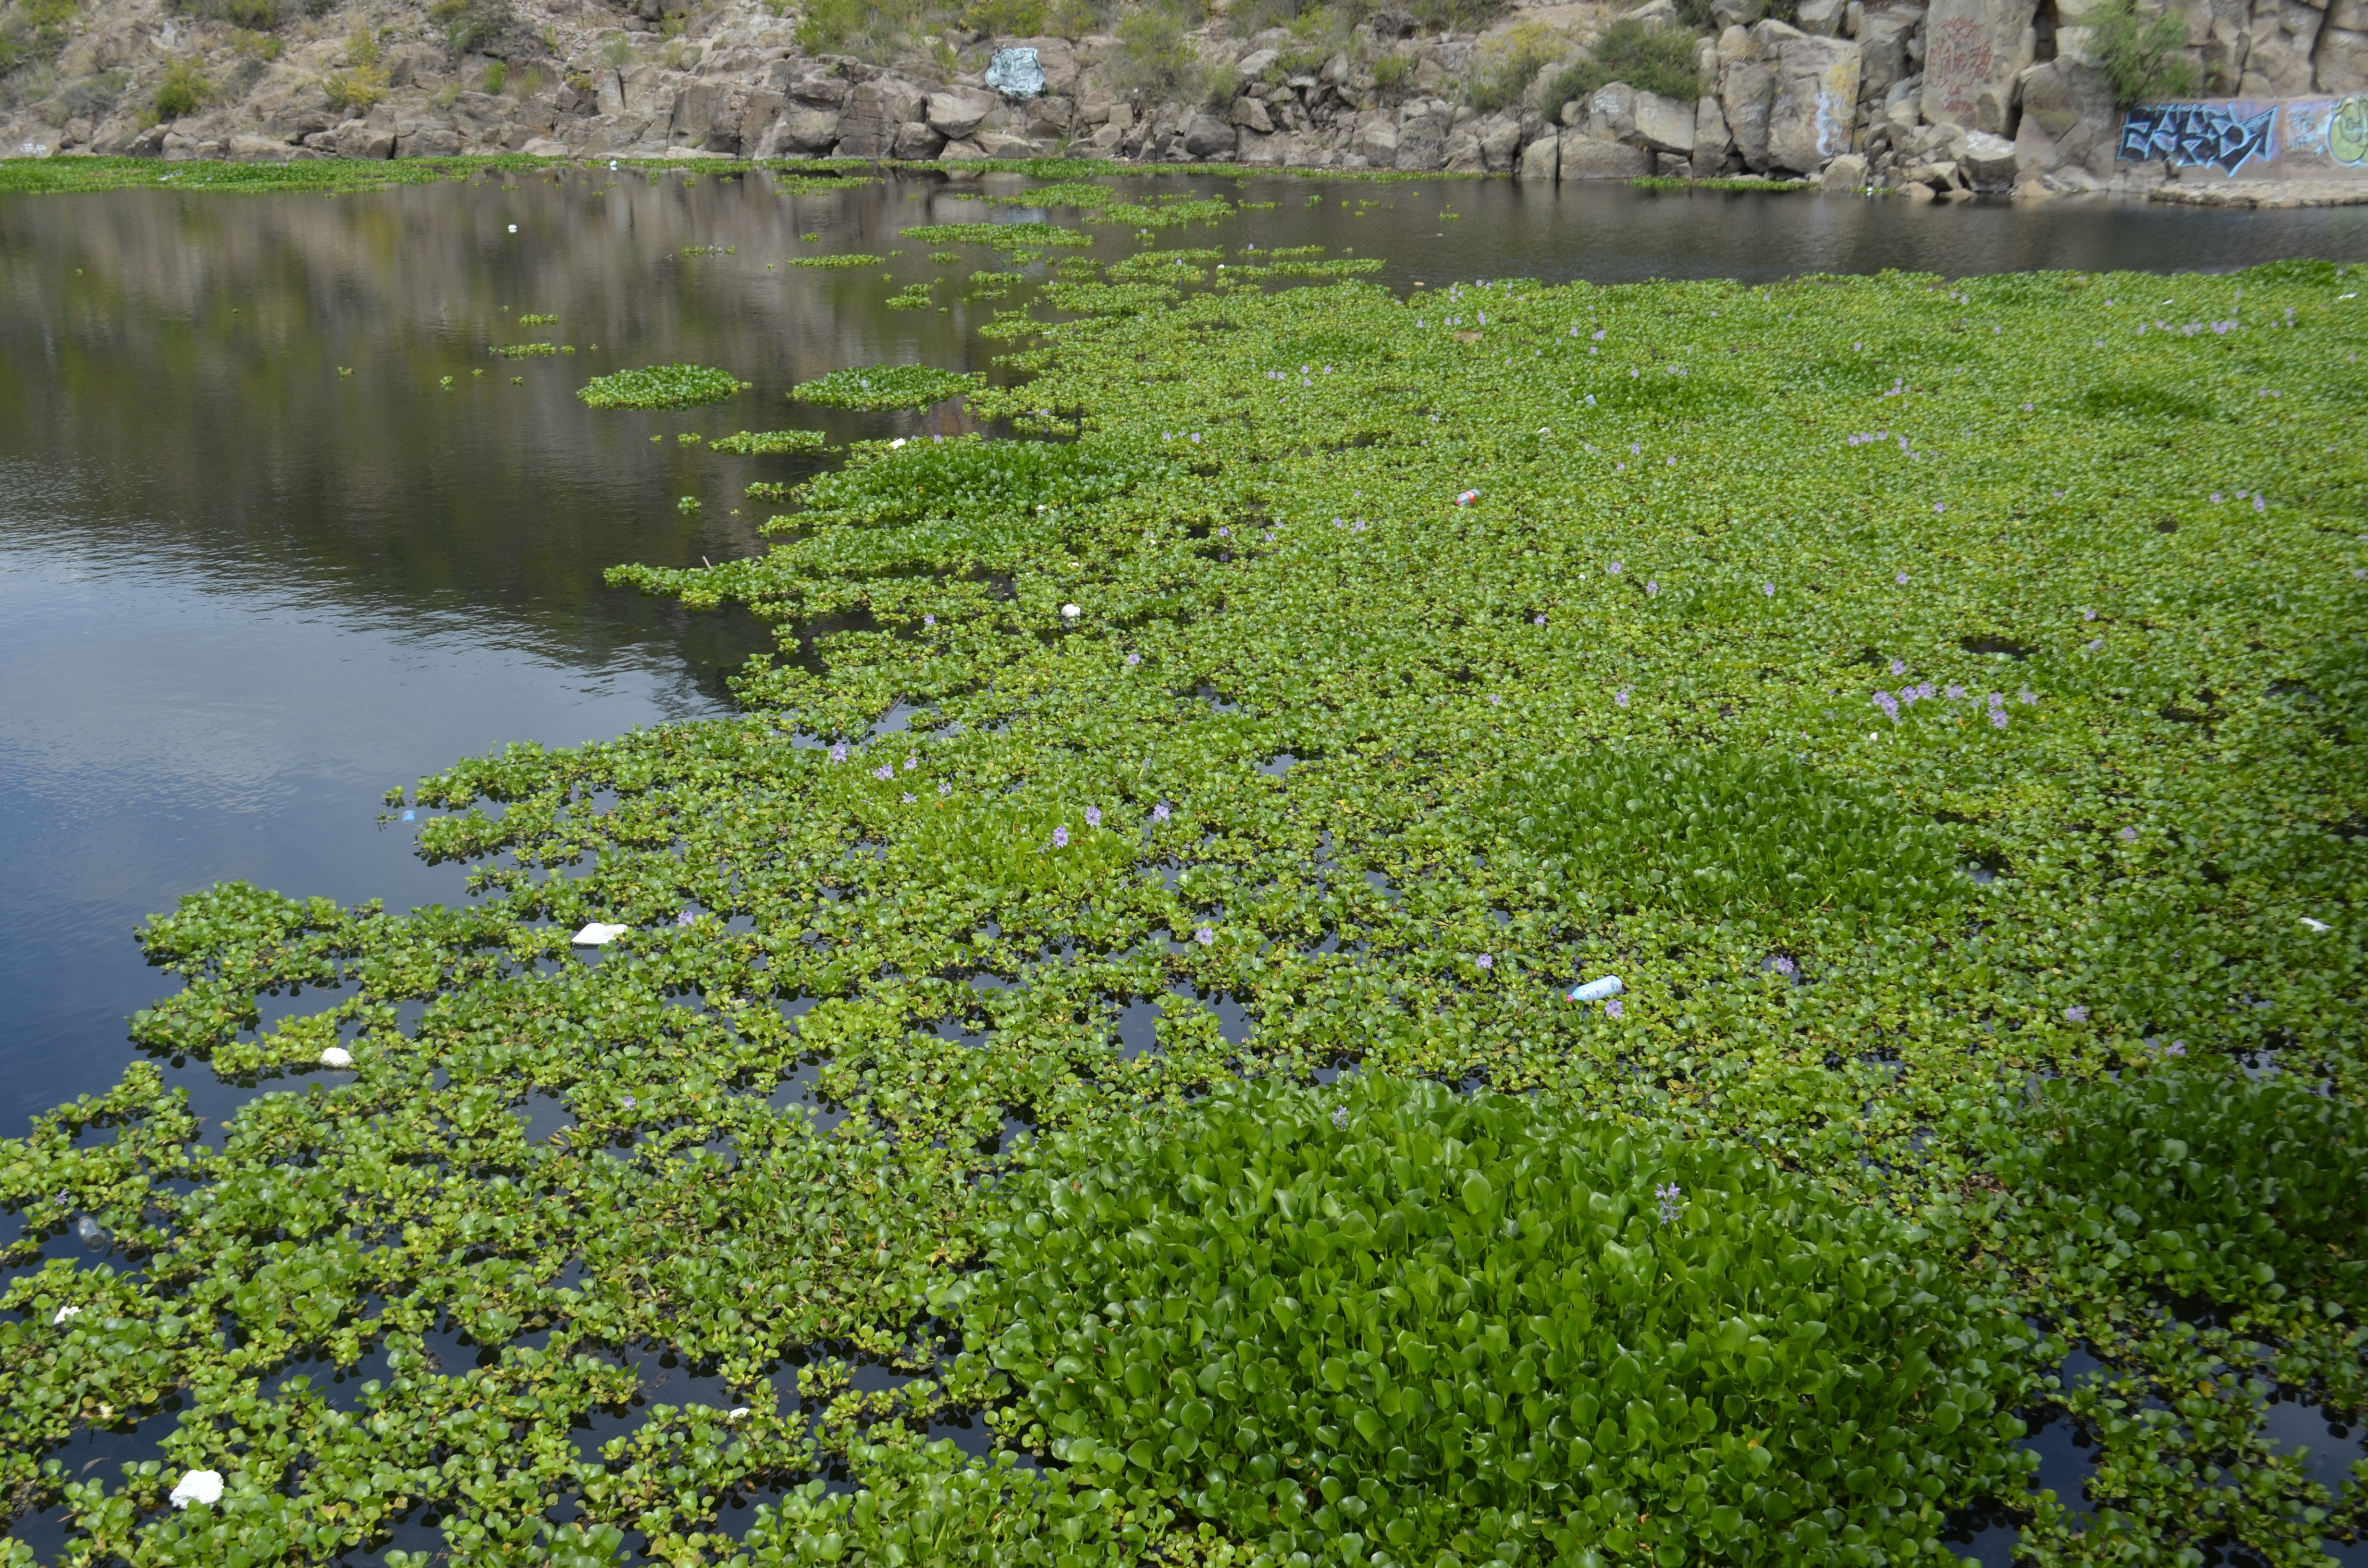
pixel 1155 62
pixel 1001 236
pixel 751 443
pixel 1272 1310
pixel 182 91
pixel 1724 832
pixel 832 263
pixel 358 88
pixel 2202 1184
pixel 470 24
pixel 1508 63
pixel 1650 59
pixel 885 386
pixel 527 350
pixel 2141 53
pixel 662 386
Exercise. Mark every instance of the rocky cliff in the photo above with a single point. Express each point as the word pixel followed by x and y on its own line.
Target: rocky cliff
pixel 1944 99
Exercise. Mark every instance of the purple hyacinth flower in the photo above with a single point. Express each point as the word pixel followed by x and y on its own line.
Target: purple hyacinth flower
pixel 1612 1009
pixel 1060 838
pixel 1671 1202
pixel 1785 966
pixel 1997 700
pixel 1093 816
pixel 1614 569
pixel 838 752
pixel 909 797
pixel 2076 1014
pixel 2128 835
pixel 2176 1048
pixel 1768 589
pixel 1901 579
pixel 1494 700
pixel 928 621
pixel 1910 694
pixel 1937 507
pixel 684 918
pixel 1225 533
pixel 1898 666
pixel 945 788
pixel 2260 504
pixel 1997 718
pixel 1485 960
pixel 2027 696
pixel 628 1102
pixel 911 763
pixel 1133 660
pixel 1955 693
pixel 1205 936
pixel 1651 589
pixel 885 771
pixel 1159 812
pixel 1340 1117
pixel 1621 698
pixel 1538 620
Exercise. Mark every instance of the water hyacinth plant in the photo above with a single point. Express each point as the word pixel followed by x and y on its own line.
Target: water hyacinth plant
pixel 749 443
pixel 1417 1328
pixel 662 386
pixel 1122 777
pixel 885 386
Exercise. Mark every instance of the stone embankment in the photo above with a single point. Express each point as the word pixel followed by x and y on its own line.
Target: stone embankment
pixel 1941 101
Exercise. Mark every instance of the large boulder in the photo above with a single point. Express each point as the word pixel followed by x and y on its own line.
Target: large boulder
pixel 1541 159
pixel 875 112
pixel 1206 136
pixel 1666 125
pixel 1251 116
pixel 1747 91
pixel 1883 40
pixel 1711 142
pixel 1611 112
pixel 1422 136
pixel 1500 142
pixel 1376 139
pixel 1584 158
pixel 917 139
pixel 1816 103
pixel 1972 52
pixel 957 111
pixel 2068 120
pixel 803 129
pixel 2343 49
pixel 2278 62
pixel 1988 160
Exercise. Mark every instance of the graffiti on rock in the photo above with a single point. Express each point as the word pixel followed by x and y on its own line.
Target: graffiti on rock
pixel 2220 136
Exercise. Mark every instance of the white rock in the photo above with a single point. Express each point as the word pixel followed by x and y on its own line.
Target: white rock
pixel 197 1486
pixel 595 935
pixel 336 1056
pixel 65 1315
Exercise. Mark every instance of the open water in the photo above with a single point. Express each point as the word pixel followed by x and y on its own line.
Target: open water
pixel 278 532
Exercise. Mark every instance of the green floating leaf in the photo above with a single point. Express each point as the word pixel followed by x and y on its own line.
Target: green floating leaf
pixel 877 387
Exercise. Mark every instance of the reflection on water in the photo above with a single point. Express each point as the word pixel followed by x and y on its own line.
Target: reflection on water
pixel 277 531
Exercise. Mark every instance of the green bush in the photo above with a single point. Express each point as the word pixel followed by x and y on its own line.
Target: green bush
pixel 469 24
pixel 2203 1183
pixel 1005 19
pixel 829 25
pixel 181 92
pixel 1155 62
pixel 2139 53
pixel 1724 831
pixel 1505 63
pixel 1387 1320
pixel 885 386
pixel 1650 59
pixel 662 386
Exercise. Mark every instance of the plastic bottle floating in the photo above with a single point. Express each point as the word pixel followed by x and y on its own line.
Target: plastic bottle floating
pixel 1601 990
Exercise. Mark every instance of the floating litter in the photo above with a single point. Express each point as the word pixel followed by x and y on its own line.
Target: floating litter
pixel 2315 925
pixel 1467 497
pixel 1601 990
pixel 65 1314
pixel 595 935
pixel 739 1412
pixel 92 1232
pixel 407 816
pixel 336 1056
pixel 197 1486
pixel 1071 612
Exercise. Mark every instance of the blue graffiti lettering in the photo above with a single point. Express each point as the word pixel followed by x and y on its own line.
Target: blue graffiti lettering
pixel 2212 135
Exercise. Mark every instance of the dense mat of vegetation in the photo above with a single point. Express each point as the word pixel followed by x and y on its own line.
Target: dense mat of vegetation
pixel 1915 693
pixel 662 386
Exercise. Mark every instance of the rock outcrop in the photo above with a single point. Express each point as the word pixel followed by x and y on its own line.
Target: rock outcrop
pixel 1942 98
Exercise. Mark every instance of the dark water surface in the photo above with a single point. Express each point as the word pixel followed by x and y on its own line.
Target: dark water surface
pixel 243 594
